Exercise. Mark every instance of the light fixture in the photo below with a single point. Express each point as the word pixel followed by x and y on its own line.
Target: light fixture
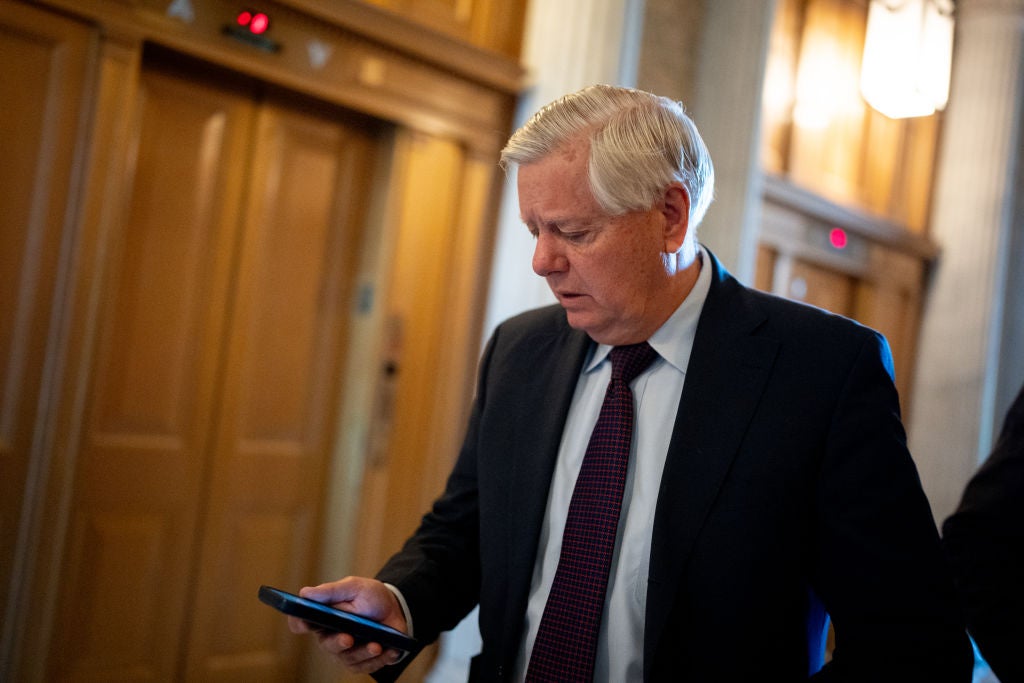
pixel 908 52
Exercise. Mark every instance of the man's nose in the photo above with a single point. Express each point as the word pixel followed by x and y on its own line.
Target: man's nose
pixel 547 255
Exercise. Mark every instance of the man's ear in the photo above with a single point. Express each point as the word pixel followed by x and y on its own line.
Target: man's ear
pixel 675 207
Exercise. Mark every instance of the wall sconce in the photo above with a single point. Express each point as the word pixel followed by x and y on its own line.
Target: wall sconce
pixel 908 52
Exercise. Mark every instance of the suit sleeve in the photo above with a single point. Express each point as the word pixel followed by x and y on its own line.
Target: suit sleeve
pixel 879 567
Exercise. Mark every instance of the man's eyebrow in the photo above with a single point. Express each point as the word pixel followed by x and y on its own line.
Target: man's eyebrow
pixel 561 221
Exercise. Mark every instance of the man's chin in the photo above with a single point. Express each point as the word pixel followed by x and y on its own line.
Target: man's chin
pixel 602 331
pixel 581 321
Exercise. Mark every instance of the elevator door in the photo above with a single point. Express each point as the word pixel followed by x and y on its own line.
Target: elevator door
pixel 215 377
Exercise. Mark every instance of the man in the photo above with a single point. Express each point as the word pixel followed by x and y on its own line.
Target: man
pixel 767 479
pixel 985 541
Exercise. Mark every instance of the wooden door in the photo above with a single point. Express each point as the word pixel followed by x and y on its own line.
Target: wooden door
pixel 141 464
pixel 821 286
pixel 44 61
pixel 210 412
pixel 892 305
pixel 308 195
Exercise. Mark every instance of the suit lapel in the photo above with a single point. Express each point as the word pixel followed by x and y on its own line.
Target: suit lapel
pixel 725 379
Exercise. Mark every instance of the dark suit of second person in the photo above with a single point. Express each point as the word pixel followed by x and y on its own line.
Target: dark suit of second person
pixel 985 541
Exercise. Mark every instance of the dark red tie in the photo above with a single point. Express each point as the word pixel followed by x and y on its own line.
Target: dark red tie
pixel 566 643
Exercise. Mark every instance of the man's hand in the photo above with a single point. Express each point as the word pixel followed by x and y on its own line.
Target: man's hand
pixel 367 597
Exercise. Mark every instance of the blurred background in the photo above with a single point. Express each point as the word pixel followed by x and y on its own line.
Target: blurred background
pixel 251 250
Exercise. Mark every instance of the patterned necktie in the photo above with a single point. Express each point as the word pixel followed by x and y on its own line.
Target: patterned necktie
pixel 566 643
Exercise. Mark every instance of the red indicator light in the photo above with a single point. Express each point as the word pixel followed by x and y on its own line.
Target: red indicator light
pixel 259 24
pixel 837 238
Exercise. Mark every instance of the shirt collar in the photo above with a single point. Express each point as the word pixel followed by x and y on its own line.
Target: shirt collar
pixel 674 339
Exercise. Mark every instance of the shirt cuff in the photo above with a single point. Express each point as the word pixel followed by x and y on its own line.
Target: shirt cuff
pixel 405 612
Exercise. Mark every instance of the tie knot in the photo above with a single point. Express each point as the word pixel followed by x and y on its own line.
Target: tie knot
pixel 629 361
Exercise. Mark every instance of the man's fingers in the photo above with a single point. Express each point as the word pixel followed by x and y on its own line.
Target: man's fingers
pixel 337 644
pixel 368 658
pixel 296 625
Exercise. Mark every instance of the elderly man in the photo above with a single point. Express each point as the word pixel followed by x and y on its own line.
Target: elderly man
pixel 667 476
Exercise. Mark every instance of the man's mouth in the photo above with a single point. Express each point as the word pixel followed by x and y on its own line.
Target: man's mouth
pixel 566 298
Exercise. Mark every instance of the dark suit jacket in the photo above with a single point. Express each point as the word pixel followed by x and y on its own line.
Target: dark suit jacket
pixel 787 490
pixel 985 540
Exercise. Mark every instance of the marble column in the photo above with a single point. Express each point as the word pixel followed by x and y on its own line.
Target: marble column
pixel 964 373
pixel 727 109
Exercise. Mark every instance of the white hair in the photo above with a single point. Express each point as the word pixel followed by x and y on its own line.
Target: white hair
pixel 639 144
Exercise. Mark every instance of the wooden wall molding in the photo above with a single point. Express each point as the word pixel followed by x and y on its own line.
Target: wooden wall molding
pixel 409 37
pixel 778 190
pixel 374 61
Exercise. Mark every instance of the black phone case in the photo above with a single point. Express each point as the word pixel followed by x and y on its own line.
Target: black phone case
pixel 334 620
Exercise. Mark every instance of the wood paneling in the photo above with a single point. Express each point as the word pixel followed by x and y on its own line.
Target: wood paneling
pixel 491 24
pixel 822 287
pixel 764 272
pixel 402 71
pixel 834 162
pixel 419 451
pixel 212 410
pixel 891 304
pixel 874 278
pixel 236 228
pixel 911 200
pixel 434 308
pixel 44 72
pixel 308 195
pixel 141 467
pixel 828 119
pixel 780 85
pixel 820 134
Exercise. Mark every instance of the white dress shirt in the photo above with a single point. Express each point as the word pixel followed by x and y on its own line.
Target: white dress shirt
pixel 656 392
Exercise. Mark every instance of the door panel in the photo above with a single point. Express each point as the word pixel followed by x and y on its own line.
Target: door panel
pixel 137 491
pixel 178 247
pixel 418 304
pixel 44 61
pixel 822 287
pixel 309 194
pixel 213 406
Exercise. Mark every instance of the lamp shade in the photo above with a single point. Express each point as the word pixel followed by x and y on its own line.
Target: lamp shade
pixel 908 52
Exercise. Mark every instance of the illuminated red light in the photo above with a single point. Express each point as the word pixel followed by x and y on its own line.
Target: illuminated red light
pixel 259 24
pixel 837 238
pixel 256 22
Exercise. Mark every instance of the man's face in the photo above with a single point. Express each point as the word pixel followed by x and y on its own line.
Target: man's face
pixel 606 271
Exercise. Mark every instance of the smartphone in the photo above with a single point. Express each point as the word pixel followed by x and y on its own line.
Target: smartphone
pixel 326 618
